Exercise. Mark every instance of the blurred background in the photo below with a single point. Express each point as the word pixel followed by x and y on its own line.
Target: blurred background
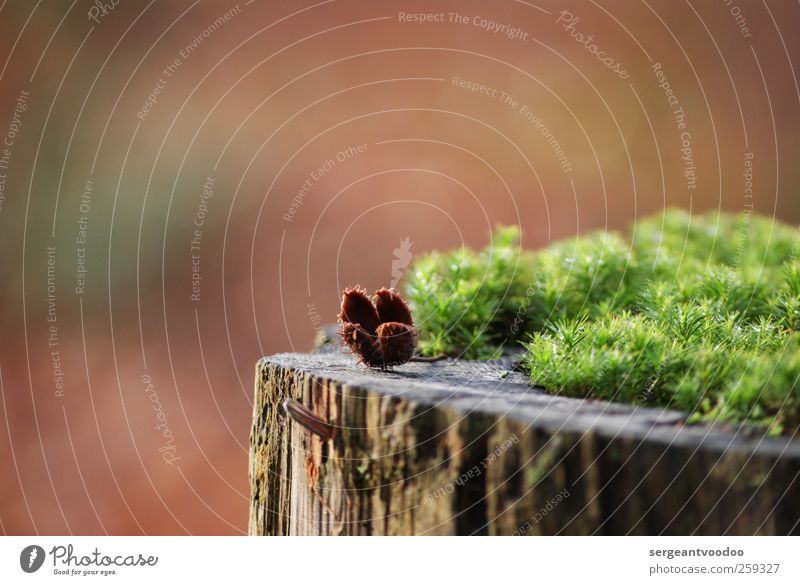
pixel 186 186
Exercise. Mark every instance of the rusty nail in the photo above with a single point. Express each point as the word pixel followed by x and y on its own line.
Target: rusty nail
pixel 305 418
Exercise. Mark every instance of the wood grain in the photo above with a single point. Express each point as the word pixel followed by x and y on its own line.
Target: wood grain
pixel 458 447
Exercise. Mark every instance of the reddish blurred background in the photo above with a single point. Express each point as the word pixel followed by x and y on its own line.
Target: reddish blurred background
pixel 154 245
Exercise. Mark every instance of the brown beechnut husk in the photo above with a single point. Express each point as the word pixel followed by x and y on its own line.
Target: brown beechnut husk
pixel 379 331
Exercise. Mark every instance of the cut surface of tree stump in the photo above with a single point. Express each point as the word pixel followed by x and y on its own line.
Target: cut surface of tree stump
pixel 459 447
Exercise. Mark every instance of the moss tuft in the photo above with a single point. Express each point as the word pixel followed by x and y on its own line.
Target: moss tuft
pixel 700 313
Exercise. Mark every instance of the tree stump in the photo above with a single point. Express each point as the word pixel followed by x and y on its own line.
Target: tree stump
pixel 458 447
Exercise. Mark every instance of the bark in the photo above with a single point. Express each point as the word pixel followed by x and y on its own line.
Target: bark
pixel 459 447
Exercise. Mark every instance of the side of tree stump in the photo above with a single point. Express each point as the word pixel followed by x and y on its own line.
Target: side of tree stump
pixel 465 448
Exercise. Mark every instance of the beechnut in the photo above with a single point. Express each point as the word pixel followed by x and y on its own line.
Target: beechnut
pixel 380 331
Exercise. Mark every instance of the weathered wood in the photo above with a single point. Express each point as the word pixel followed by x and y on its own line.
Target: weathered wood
pixel 459 447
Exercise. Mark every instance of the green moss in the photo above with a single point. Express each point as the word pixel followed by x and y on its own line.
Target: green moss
pixel 466 300
pixel 700 313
